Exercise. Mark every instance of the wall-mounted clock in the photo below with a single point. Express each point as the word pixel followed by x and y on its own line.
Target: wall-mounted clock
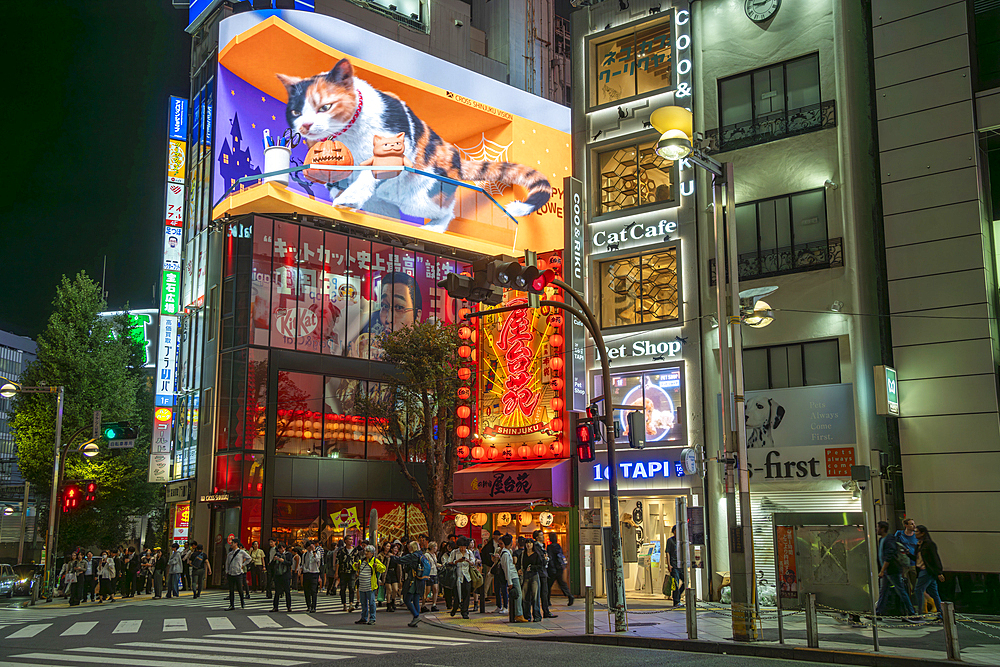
pixel 759 11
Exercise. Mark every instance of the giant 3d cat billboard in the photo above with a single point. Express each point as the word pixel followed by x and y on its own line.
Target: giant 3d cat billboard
pixel 451 161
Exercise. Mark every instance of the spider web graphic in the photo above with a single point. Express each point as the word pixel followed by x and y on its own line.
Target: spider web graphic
pixel 487 151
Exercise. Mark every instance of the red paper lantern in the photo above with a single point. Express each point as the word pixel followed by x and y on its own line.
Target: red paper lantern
pixel 492 452
pixel 463 313
pixel 464 373
pixel 462 451
pixel 465 333
pixel 557 404
pixel 463 411
pixel 464 393
pixel 556 448
pixel 555 363
pixel 556 424
pixel 556 341
pixel 557 384
pixel 524 451
pixel 556 321
pixel 462 431
pixel 540 450
pixel 465 351
pixel 478 452
pixel 507 453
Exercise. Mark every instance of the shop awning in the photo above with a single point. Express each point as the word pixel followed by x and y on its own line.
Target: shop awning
pixel 466 506
pixel 515 483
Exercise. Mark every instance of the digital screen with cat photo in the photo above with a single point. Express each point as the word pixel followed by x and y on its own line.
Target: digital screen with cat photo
pixel 450 162
pixel 659 394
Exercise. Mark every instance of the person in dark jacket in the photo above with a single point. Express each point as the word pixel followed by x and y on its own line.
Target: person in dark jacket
pixel 930 570
pixel 890 575
pixel 281 574
pixel 675 570
pixel 556 566
pixel 543 573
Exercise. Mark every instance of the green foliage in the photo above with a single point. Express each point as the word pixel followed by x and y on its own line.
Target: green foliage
pixel 101 367
pixel 420 395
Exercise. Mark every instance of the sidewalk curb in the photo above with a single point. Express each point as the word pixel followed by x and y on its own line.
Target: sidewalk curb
pixel 718 648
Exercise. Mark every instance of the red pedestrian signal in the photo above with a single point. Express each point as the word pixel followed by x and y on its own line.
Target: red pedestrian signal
pixel 70 497
pixel 89 491
pixel 585 440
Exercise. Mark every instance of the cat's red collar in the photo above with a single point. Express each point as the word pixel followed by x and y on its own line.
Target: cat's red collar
pixel 350 123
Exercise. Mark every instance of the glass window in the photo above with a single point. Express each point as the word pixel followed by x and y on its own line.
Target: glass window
pixel 228 473
pixel 639 289
pixel 295 521
pixel 770 102
pixel 251 521
pixel 782 235
pixel 284 285
pixel 351 530
pixel 632 64
pixel 632 176
pixel 299 429
pixel 659 393
pixel 260 283
pixel 256 399
pixel 311 298
pixel 344 431
pixel 340 295
pixel 796 365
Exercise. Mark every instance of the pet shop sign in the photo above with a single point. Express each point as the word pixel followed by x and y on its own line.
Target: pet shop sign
pixel 652 348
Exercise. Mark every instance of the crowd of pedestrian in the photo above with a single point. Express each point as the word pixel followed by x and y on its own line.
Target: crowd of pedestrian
pixel 910 569
pixel 125 571
pixel 515 572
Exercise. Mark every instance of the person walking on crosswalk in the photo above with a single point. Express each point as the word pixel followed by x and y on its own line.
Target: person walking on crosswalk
pixel 368 568
pixel 311 564
pixel 236 559
pixel 280 568
pixel 175 567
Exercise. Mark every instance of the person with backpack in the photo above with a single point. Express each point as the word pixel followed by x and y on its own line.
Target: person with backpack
pixel 345 573
pixel 416 569
pixel 199 563
pixel 281 576
pixel 893 558
pixel 369 569
pixel 557 566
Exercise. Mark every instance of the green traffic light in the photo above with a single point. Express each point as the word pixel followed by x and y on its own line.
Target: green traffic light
pixel 110 433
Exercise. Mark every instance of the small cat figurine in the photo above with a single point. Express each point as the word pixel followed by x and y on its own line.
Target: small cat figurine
pixel 338 105
pixel 389 152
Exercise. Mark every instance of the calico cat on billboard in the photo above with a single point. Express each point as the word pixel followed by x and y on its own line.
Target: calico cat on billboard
pixel 455 165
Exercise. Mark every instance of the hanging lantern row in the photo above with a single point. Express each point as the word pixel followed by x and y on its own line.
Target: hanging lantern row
pixel 467 352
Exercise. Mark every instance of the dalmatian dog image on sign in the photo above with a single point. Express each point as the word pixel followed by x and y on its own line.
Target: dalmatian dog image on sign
pixel 763 416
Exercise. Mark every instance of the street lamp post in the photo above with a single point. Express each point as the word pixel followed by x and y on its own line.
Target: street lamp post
pixel 675 124
pixel 7 391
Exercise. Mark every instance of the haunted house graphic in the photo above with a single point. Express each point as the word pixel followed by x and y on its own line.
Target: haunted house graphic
pixel 235 161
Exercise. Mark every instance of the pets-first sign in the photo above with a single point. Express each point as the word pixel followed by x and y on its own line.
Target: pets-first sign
pixel 800 417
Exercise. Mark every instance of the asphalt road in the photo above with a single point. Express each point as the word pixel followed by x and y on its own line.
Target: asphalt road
pixel 194 633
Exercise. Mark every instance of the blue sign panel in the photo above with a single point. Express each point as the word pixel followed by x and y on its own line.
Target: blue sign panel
pixel 198 10
pixel 177 121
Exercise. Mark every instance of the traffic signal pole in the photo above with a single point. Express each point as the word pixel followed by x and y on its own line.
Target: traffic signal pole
pixel 54 494
pixel 614 569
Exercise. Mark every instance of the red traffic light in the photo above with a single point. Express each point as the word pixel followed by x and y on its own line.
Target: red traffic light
pixel 70 498
pixel 543 280
pixel 585 441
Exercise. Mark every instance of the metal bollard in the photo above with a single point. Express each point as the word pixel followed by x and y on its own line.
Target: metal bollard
pixel 952 648
pixel 588 596
pixel 812 626
pixel 691 612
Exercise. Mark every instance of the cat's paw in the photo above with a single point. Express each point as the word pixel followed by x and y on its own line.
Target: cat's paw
pixel 348 199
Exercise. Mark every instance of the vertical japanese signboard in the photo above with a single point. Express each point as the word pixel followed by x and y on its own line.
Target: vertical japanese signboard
pixel 784 559
pixel 574 274
pixel 166 350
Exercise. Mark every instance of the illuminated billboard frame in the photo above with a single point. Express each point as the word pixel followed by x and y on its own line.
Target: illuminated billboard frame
pixel 266 63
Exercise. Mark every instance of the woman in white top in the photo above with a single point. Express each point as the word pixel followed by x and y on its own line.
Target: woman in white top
pixel 432 589
pixel 106 572
pixel 463 561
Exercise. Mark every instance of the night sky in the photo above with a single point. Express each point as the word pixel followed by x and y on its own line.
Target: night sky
pixel 84 157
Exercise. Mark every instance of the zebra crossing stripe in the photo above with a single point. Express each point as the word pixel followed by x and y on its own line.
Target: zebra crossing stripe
pixel 220 623
pixel 264 622
pixel 174 625
pixel 200 644
pixel 81 628
pixel 216 657
pixel 350 640
pixel 280 642
pixel 52 659
pixel 29 631
pixel 306 619
pixel 126 627
pixel 406 636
